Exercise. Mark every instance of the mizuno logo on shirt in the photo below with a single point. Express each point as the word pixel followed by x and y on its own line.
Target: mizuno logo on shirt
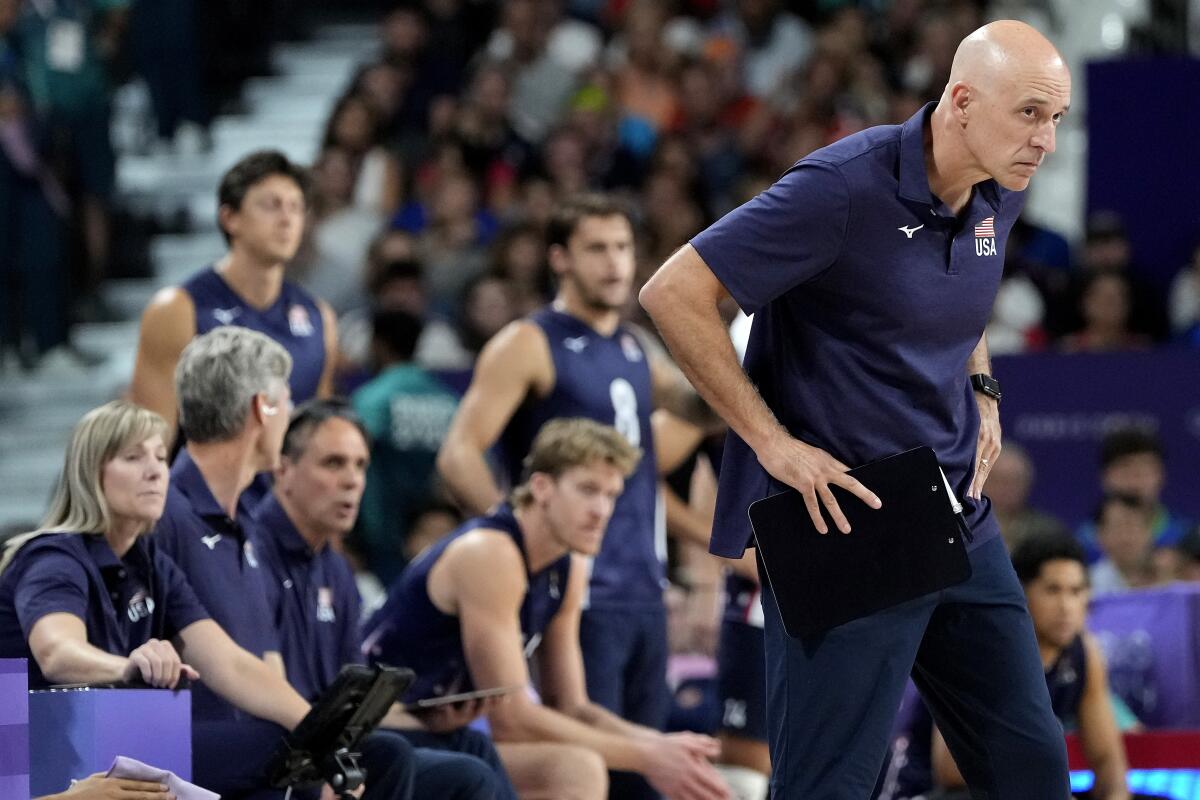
pixel 575 343
pixel 226 316
pixel 211 541
pixel 909 231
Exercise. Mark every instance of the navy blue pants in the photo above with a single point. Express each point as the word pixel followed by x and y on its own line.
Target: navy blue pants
pixel 230 758
pixel 469 742
pixel 971 650
pixel 625 661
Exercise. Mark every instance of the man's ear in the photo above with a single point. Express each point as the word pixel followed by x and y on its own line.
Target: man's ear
pixel 556 256
pixel 541 485
pixel 225 219
pixel 282 470
pixel 262 408
pixel 961 96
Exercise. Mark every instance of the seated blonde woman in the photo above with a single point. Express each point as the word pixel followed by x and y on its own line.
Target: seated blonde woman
pixel 88 597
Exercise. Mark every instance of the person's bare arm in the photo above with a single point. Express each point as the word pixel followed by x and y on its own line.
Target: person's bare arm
pixel 274 660
pixel 682 298
pixel 675 438
pixel 325 387
pixel 515 362
pixel 247 682
pixel 676 764
pixel 98 787
pixel 672 392
pixel 560 665
pixel 945 771
pixel 168 324
pixel 1098 732
pixel 488 574
pixel 987 448
pixel 59 644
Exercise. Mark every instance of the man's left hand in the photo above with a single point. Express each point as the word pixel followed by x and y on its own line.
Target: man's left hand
pixel 987 448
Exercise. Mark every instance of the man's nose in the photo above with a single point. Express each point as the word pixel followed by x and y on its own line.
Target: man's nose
pixel 1044 139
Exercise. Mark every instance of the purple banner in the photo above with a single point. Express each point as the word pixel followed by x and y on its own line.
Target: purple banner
pixel 1151 642
pixel 1059 407
pixel 14 729
pixel 77 732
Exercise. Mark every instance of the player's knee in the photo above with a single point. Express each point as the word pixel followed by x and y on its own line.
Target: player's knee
pixel 577 773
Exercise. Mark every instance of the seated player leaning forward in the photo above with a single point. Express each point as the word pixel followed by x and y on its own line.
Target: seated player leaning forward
pixel 88 598
pixel 1053 572
pixel 471 609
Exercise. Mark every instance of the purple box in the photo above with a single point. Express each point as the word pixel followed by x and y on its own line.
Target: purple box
pixel 75 732
pixel 14 729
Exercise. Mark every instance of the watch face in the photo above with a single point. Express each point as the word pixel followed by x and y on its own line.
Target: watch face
pixel 986 384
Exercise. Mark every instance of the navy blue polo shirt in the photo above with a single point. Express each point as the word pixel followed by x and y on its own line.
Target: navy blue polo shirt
pixel 217 555
pixel 123 602
pixel 869 296
pixel 313 600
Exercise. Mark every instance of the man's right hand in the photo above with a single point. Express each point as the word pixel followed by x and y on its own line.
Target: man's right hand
pixel 98 787
pixel 158 664
pixel 679 768
pixel 811 471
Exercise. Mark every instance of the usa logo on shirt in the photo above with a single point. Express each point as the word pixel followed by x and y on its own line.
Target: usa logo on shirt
pixel 140 607
pixel 985 237
pixel 299 322
pixel 632 351
pixel 325 605
pixel 248 552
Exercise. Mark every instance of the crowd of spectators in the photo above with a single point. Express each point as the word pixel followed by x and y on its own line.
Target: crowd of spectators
pixel 61 62
pixel 475 118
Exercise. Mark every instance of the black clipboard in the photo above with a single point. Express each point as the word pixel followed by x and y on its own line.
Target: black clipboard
pixel 910 547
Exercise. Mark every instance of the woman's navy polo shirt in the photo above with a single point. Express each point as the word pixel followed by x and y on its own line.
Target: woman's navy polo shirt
pixel 123 602
pixel 313 600
pixel 869 296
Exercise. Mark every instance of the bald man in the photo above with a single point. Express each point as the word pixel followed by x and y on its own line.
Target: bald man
pixel 871 267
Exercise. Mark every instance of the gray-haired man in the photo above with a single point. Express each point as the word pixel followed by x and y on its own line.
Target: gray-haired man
pixel 232 385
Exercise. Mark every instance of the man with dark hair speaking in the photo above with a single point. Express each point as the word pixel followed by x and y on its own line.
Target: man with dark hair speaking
pixel 871 267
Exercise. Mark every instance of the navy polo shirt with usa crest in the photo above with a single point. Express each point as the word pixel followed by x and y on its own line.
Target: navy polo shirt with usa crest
pixel 869 296
pixel 313 600
pixel 217 555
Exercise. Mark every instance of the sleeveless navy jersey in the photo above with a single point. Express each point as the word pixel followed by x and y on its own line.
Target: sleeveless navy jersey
pixel 1066 679
pixel 605 378
pixel 410 631
pixel 743 601
pixel 294 320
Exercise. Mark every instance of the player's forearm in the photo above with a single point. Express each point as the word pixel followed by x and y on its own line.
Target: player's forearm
pixel 1107 761
pixel 253 686
pixel 80 662
pixel 466 473
pixel 684 522
pixel 529 722
pixel 1110 783
pixel 979 360
pixel 601 718
pixel 696 337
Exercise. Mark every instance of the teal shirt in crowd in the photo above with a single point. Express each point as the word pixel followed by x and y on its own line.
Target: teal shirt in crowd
pixel 407 412
pixel 74 78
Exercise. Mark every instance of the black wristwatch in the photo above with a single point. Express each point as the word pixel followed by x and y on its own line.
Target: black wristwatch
pixel 981 382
